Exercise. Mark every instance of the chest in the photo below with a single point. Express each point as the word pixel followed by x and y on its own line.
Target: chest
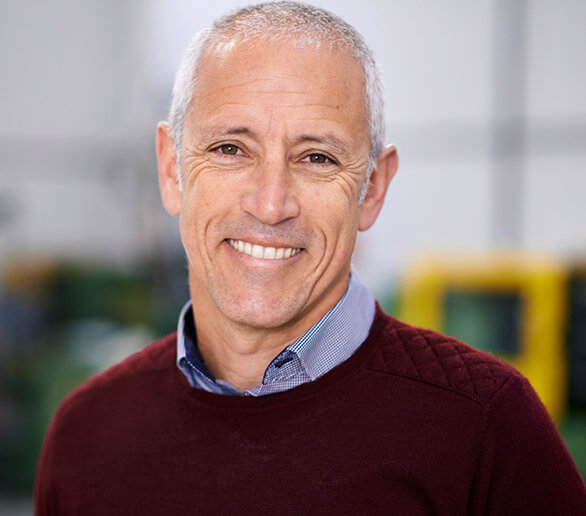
pixel 338 454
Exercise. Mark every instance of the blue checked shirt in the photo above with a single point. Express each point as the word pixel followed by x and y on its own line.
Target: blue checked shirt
pixel 332 340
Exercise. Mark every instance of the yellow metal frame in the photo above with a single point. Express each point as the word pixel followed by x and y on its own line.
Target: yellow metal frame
pixel 541 283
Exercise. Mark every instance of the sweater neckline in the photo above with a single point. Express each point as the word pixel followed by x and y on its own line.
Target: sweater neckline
pixel 345 370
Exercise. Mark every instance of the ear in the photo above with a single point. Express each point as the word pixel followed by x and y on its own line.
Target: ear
pixel 168 170
pixel 386 167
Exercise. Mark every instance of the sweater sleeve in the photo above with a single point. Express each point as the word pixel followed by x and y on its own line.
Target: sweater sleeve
pixel 43 497
pixel 524 467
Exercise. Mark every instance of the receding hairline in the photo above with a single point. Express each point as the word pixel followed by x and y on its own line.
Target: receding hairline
pixel 303 25
pixel 299 24
pixel 236 42
pixel 296 20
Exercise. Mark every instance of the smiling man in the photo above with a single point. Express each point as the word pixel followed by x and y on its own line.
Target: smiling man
pixel 286 389
pixel 274 153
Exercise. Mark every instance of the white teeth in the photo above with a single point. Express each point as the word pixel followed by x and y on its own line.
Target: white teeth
pixel 258 251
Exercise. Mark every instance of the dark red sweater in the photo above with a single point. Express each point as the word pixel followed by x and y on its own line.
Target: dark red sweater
pixel 413 423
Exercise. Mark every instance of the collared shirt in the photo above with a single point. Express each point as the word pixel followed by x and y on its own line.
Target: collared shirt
pixel 335 337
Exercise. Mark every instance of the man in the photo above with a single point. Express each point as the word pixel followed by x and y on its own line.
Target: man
pixel 286 389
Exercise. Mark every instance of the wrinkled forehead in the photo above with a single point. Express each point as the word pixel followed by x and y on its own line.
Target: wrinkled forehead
pixel 275 43
pixel 262 82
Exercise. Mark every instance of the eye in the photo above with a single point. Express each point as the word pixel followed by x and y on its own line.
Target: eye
pixel 228 149
pixel 318 158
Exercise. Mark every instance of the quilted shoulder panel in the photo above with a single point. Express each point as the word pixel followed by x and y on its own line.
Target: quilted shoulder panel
pixel 439 360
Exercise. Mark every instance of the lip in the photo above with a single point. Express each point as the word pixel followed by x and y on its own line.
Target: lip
pixel 266 252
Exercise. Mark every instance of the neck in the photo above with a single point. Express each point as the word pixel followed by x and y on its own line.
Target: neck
pixel 239 353
pixel 235 356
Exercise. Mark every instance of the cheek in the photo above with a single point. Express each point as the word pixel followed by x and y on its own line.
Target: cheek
pixel 334 214
pixel 195 211
pixel 334 200
pixel 201 197
pixel 207 205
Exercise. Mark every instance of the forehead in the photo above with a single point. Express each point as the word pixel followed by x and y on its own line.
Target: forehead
pixel 280 74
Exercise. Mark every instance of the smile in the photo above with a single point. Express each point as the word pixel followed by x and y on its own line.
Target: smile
pixel 265 253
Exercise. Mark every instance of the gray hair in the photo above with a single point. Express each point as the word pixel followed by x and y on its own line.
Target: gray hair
pixel 302 24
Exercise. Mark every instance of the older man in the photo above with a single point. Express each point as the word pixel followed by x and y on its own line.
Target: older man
pixel 286 389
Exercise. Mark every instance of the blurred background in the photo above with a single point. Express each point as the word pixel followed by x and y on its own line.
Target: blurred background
pixel 483 234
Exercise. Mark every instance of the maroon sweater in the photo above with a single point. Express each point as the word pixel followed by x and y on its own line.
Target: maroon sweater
pixel 413 423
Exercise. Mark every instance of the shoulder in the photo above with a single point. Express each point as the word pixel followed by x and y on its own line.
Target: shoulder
pixel 122 379
pixel 436 360
pixel 98 420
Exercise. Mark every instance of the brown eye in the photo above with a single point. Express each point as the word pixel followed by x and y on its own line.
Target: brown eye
pixel 228 149
pixel 317 158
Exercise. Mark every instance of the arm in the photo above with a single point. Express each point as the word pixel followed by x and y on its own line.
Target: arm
pixel 524 466
pixel 43 505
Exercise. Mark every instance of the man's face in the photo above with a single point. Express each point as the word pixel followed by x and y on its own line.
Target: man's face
pixel 274 155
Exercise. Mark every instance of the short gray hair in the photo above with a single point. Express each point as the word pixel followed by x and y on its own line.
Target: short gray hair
pixel 304 25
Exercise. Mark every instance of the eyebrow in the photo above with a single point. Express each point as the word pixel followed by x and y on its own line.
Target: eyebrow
pixel 330 140
pixel 215 132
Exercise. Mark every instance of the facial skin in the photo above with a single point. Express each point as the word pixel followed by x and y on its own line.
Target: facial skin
pixel 274 155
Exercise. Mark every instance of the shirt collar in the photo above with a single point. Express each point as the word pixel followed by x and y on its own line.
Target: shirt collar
pixel 333 339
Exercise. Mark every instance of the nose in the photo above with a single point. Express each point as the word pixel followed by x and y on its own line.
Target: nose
pixel 269 197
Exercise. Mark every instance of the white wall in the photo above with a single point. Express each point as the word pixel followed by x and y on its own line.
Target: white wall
pixel 68 176
pixel 554 216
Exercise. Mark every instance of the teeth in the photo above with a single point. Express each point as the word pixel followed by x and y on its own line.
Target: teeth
pixel 266 253
pixel 257 251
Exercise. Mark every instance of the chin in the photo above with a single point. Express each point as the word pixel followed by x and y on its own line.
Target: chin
pixel 264 313
pixel 268 318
